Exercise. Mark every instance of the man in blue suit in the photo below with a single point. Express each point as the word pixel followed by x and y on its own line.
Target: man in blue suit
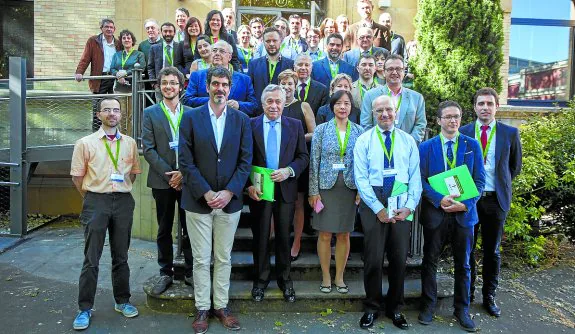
pixel 242 96
pixel 279 144
pixel 365 42
pixel 162 54
pixel 215 156
pixel 325 69
pixel 501 148
pixel 409 104
pixel 442 215
pixel 308 90
pixel 265 70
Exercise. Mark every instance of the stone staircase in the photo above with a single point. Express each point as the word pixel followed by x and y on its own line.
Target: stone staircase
pixel 306 275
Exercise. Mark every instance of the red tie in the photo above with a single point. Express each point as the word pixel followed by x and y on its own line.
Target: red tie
pixel 484 136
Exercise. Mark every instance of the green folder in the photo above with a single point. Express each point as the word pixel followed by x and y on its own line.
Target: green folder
pixel 398 189
pixel 465 183
pixel 261 179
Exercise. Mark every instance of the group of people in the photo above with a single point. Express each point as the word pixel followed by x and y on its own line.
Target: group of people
pixel 330 125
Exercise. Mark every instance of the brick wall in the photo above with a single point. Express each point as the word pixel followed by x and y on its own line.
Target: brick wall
pixel 61 29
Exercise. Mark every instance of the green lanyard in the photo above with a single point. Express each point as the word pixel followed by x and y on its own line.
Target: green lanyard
pixel 342 146
pixel 167 113
pixel 247 56
pixel 478 137
pixel 319 54
pixel 114 159
pixel 398 102
pixel 389 155
pixel 306 91
pixel 451 164
pixel 271 69
pixel 362 91
pixel 193 48
pixel 217 38
pixel 334 69
pixel 124 60
pixel 168 57
pixel 205 65
pixel 281 48
pixel 293 44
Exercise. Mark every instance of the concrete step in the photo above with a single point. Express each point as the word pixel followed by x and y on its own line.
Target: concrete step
pixel 307 267
pixel 244 238
pixel 179 298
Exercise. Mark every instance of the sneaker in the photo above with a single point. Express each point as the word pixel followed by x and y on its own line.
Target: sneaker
pixel 82 320
pixel 128 310
pixel 162 284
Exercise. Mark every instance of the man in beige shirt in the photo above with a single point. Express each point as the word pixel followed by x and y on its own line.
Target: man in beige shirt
pixel 104 166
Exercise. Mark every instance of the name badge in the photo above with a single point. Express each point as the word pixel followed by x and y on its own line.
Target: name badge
pixel 116 177
pixel 392 205
pixel 340 166
pixel 396 121
pixel 389 172
pixel 174 144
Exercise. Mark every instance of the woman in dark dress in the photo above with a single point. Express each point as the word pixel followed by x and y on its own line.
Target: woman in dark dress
pixel 302 111
pixel 186 51
pixel 214 29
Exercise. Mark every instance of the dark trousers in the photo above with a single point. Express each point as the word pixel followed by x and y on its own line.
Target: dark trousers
pixel 106 87
pixel 380 238
pixel 112 212
pixel 434 241
pixel 283 214
pixel 491 220
pixel 165 210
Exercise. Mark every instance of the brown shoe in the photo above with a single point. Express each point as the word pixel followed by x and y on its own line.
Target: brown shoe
pixel 200 323
pixel 227 319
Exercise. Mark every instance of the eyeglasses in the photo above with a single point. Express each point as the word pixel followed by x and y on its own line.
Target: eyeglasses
pixel 169 83
pixel 451 117
pixel 216 50
pixel 381 111
pixel 394 69
pixel 365 37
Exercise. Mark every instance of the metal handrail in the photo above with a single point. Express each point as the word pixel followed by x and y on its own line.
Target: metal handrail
pixel 71 78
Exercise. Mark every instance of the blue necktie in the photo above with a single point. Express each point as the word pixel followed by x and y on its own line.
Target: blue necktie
pixel 272 147
pixel 389 180
pixel 449 153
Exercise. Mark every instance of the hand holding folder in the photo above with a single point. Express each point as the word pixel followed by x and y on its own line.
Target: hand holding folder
pixel 261 180
pixel 456 181
pixel 398 199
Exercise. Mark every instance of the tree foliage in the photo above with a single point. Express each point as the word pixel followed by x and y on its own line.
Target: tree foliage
pixel 459 50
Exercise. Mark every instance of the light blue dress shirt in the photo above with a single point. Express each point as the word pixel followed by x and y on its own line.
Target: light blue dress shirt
pixel 368 162
pixel 278 129
pixel 490 161
pixel 218 125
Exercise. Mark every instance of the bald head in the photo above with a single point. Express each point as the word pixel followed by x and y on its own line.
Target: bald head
pixel 385 20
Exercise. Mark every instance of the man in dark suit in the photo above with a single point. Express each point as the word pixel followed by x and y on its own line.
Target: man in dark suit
pixel 325 69
pixel 242 95
pixel 160 146
pixel 442 215
pixel 279 144
pixel 162 54
pixel 230 22
pixel 365 47
pixel 265 70
pixel 501 148
pixel 307 89
pixel 215 155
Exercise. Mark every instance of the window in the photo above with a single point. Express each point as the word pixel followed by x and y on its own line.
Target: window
pixel 540 52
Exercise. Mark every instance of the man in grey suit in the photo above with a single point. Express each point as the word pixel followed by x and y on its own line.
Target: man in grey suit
pixel 160 145
pixel 409 105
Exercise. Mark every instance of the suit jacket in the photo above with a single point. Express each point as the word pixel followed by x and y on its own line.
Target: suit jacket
pixel 411 112
pixel 321 71
pixel 204 168
pixel 260 77
pixel 183 57
pixel 94 54
pixel 325 152
pixel 293 152
pixel 352 56
pixel 156 136
pixel 146 45
pixel 317 95
pixel 397 45
pixel 356 92
pixel 508 159
pixel 380 33
pixel 432 163
pixel 241 90
pixel 156 59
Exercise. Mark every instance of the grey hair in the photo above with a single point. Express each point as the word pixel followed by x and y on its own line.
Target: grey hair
pixel 223 44
pixel 273 88
pixel 154 22
pixel 302 55
pixel 381 98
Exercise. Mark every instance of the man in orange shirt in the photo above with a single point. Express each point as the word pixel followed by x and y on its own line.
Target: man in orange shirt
pixel 104 166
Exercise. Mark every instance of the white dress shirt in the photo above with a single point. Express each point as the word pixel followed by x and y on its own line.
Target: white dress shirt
pixel 368 164
pixel 109 51
pixel 490 161
pixel 218 125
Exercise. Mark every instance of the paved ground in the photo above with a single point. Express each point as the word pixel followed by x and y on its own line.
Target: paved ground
pixel 38 289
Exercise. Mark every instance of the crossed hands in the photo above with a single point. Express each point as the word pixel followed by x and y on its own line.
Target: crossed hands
pixel 175 180
pixel 449 204
pixel 399 215
pixel 218 200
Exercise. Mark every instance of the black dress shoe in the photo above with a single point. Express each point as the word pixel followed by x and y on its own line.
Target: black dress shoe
pixel 289 295
pixel 398 320
pixel 294 258
pixel 258 294
pixel 367 320
pixel 491 307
